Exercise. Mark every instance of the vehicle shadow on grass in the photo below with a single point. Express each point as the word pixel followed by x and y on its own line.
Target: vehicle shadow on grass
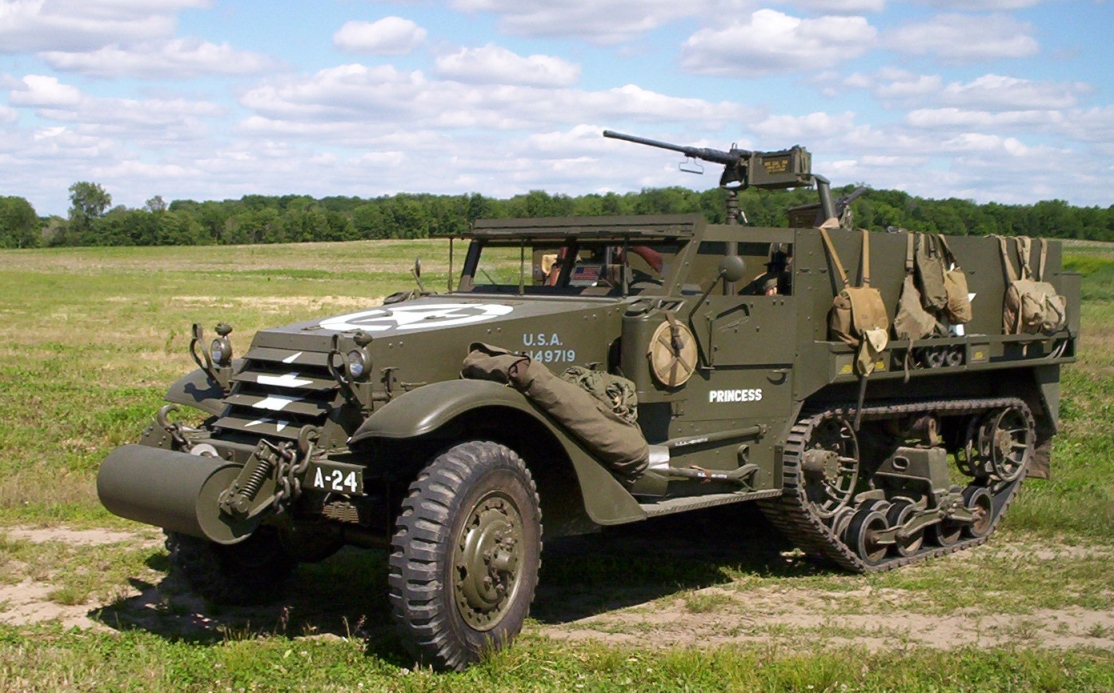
pixel 345 595
pixel 633 564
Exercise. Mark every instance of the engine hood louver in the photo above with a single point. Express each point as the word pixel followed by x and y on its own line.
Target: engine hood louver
pixel 277 392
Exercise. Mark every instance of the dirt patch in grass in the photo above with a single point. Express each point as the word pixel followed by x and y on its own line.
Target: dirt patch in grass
pixel 277 303
pixel 83 537
pixel 785 602
pixel 797 618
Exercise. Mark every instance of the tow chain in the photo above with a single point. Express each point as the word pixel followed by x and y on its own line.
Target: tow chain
pixel 292 465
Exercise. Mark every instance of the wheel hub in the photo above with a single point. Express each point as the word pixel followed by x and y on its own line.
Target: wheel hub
pixel 489 551
pixel 821 464
pixel 831 466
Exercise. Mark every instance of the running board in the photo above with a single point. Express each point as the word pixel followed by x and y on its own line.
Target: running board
pixel 668 506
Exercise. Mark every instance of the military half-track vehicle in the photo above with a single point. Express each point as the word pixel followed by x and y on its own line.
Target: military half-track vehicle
pixel 867 450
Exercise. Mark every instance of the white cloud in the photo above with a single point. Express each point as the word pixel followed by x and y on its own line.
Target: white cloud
pixel 990 92
pixel 177 58
pixel 982 166
pixel 362 95
pixel 8 115
pixel 1092 125
pixel 958 118
pixel 961 38
pixel 388 36
pixel 496 65
pixel 772 42
pixel 982 5
pixel 995 92
pixel 786 128
pixel 150 122
pixel 39 91
pixel 838 6
pixel 609 23
pixel 876 160
pixel 82 25
pixel 903 86
pixel 970 142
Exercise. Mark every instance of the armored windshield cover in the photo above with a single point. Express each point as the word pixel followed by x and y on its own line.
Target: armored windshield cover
pixel 619 228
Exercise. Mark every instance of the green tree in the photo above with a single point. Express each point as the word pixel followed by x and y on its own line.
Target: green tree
pixel 88 202
pixel 179 228
pixel 368 221
pixel 19 225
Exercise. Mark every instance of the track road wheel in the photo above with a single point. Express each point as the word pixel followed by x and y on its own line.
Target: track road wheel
pixel 254 571
pixel 901 512
pixel 945 532
pixel 978 500
pixel 861 535
pixel 465 555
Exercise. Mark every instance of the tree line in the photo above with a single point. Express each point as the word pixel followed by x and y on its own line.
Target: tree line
pixel 92 220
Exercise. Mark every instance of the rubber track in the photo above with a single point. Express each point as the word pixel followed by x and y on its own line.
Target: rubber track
pixel 791 513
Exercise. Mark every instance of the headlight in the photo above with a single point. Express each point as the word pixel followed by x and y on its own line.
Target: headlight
pixel 357 364
pixel 221 351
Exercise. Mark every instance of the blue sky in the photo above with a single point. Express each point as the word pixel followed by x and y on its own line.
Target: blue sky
pixel 992 100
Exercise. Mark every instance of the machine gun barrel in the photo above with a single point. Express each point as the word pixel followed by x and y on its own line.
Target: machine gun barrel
pixel 844 202
pixel 717 156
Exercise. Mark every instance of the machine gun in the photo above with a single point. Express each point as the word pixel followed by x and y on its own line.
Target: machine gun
pixel 742 168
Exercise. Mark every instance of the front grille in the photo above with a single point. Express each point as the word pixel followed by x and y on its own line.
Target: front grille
pixel 277 393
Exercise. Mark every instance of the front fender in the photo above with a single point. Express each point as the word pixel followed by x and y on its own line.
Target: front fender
pixel 429 408
pixel 198 390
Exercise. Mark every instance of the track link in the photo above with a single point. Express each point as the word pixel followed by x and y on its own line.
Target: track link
pixel 792 512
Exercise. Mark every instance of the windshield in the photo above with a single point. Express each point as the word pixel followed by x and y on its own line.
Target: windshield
pixel 573 267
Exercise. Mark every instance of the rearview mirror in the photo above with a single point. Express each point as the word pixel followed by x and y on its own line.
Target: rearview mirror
pixel 732 268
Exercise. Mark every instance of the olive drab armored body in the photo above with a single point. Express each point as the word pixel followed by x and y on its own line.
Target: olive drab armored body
pixel 881 396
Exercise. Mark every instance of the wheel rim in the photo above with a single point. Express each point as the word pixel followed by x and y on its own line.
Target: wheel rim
pixel 831 466
pixel 900 513
pixel 487 561
pixel 946 532
pixel 981 505
pixel 1007 439
pixel 863 531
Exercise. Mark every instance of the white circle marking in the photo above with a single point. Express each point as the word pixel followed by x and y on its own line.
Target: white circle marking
pixel 422 316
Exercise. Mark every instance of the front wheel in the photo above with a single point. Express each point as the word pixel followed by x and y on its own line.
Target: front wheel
pixel 465 554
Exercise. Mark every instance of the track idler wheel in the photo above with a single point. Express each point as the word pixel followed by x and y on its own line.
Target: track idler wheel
pixel 1010 442
pixel 999 446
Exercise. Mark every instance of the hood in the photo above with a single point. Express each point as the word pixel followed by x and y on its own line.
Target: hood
pixel 429 314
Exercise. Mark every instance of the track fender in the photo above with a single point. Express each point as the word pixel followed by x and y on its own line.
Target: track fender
pixel 430 408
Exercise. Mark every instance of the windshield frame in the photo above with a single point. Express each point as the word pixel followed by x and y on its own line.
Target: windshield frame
pixel 671 232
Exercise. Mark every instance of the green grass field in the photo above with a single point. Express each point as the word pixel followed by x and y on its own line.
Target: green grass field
pixel 90 339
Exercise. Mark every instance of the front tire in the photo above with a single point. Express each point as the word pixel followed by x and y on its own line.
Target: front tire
pixel 465 555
